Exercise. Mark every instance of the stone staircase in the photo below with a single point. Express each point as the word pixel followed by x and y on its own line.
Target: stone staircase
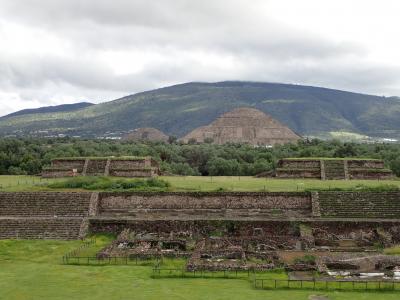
pixel 382 205
pixel 96 167
pixel 42 215
pixel 44 204
pixel 39 228
pixel 334 169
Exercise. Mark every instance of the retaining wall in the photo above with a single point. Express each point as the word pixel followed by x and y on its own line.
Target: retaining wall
pixel 205 205
pixel 40 228
pixel 383 205
pixel 44 204
pixel 67 215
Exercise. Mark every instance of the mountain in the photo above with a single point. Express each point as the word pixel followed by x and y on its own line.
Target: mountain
pixel 178 109
pixel 50 109
pixel 244 125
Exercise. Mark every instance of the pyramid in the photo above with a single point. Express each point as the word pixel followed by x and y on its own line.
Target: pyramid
pixel 244 125
pixel 147 133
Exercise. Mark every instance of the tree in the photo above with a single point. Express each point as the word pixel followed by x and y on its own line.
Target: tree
pixel 395 166
pixel 223 167
pixel 172 139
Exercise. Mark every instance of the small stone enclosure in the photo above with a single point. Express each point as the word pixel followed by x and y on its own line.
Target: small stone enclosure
pixel 102 166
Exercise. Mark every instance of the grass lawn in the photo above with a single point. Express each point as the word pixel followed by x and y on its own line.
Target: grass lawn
pixel 31 270
pixel 202 183
pixel 195 183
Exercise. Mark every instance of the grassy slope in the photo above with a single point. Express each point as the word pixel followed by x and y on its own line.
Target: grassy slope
pixel 178 109
pixel 31 270
pixel 201 183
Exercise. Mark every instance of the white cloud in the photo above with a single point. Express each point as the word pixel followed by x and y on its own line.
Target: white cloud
pixel 55 52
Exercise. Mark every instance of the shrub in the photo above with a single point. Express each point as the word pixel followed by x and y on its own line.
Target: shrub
pixel 107 183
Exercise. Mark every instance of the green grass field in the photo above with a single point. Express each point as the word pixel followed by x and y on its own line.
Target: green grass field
pixel 214 183
pixel 32 270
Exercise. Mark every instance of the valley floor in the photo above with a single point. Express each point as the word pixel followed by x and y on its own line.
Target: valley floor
pixel 33 269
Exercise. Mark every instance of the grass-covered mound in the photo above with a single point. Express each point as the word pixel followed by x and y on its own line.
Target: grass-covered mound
pixel 111 184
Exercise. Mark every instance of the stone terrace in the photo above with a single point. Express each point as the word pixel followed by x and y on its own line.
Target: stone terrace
pixel 49 215
pixel 330 169
pixel 44 204
pixel 40 228
pixel 383 205
pixel 67 215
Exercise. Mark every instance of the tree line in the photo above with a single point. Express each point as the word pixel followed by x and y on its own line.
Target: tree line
pixel 29 155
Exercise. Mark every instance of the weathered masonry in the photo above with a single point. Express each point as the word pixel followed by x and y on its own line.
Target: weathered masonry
pixel 328 169
pixel 319 218
pixel 102 166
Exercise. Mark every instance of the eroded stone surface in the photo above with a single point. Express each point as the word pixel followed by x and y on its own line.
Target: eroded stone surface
pixel 244 125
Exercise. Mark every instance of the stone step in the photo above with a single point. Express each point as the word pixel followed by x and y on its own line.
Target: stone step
pixel 40 228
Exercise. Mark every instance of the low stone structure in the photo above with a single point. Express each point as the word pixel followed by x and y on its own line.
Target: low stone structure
pixel 102 166
pixel 329 169
pixel 244 125
pixel 268 221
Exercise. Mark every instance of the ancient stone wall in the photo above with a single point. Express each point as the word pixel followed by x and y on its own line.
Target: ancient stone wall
pixel 206 205
pixel 381 205
pixel 57 173
pixel 198 227
pixel 103 166
pixel 49 215
pixel 129 164
pixel 299 164
pixel 333 169
pixel 40 228
pixel 369 164
pixel 133 172
pixel 328 214
pixel 96 167
pixel 44 204
pixel 69 164
pixel 361 230
pixel 298 173
pixel 373 174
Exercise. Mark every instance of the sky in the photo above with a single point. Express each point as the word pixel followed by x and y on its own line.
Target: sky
pixel 65 51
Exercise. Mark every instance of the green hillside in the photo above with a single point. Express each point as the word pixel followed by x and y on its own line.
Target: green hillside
pixel 178 109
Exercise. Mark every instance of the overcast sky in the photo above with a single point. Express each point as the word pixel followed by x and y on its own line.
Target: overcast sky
pixel 65 51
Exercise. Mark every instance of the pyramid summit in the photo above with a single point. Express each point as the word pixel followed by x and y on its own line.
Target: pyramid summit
pixel 244 125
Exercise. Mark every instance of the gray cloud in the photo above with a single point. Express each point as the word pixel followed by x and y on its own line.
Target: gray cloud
pixel 169 42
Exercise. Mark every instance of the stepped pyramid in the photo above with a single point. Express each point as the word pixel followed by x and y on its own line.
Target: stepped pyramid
pixel 244 125
pixel 147 133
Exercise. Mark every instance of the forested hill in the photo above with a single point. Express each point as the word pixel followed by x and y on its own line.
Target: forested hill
pixel 178 109
pixel 50 109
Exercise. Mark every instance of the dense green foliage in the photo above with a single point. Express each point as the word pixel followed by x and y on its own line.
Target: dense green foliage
pixel 107 183
pixel 28 156
pixel 176 110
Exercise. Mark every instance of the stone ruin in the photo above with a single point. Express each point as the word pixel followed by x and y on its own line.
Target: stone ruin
pixel 222 253
pixel 329 169
pixel 215 230
pixel 102 166
pixel 146 245
pixel 244 125
pixel 146 134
